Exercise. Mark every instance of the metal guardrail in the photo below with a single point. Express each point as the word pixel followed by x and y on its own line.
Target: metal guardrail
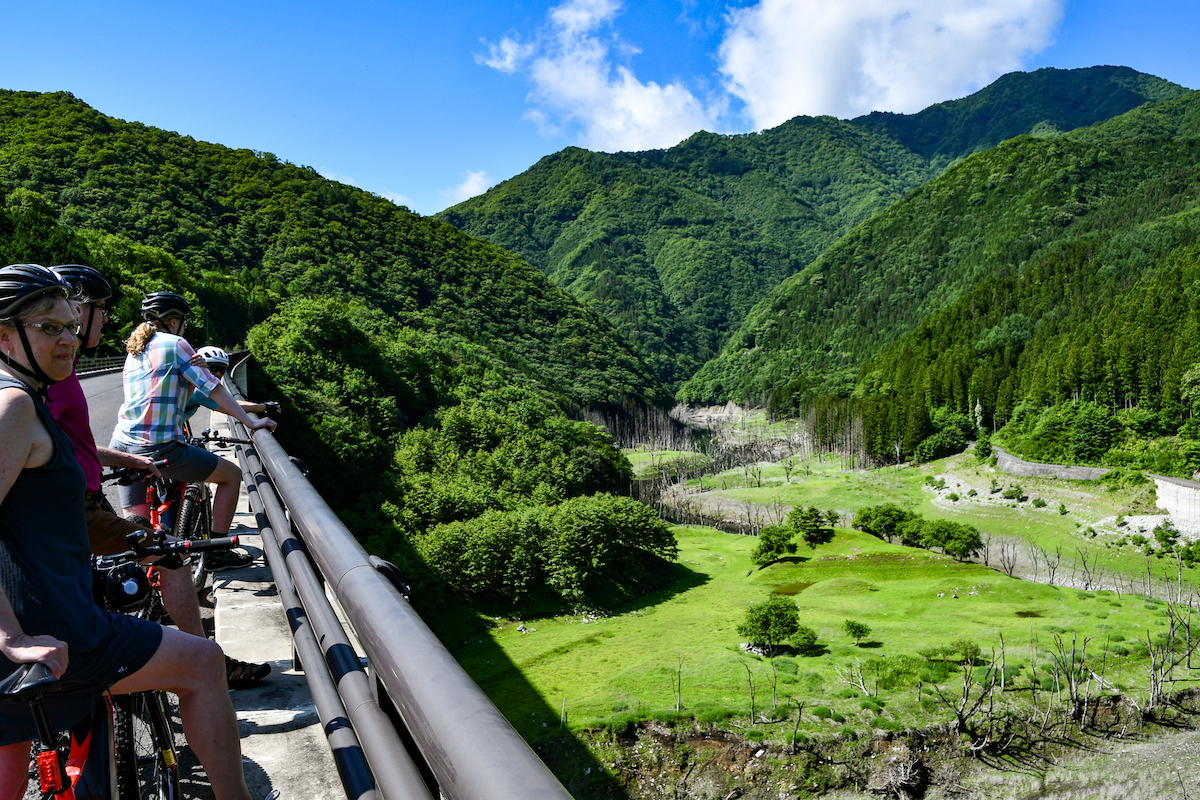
pixel 90 366
pixel 459 742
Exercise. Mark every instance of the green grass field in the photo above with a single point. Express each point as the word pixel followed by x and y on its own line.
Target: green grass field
pixel 614 669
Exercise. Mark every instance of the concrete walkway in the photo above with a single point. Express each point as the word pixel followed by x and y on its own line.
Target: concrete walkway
pixel 283 744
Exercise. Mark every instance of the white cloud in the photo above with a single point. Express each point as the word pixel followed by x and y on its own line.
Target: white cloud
pixel 789 57
pixel 507 56
pixel 476 181
pixel 777 59
pixel 574 80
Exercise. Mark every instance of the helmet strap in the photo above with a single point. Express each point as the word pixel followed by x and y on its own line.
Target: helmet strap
pixel 34 371
pixel 87 330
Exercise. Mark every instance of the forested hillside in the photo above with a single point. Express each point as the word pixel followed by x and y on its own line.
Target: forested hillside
pixel 253 231
pixel 1042 274
pixel 426 377
pixel 675 246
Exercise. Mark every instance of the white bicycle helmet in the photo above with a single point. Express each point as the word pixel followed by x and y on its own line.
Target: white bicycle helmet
pixel 214 356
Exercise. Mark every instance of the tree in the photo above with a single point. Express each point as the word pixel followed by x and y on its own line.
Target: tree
pixel 810 522
pixel 771 622
pixel 955 539
pixel 774 542
pixel 883 521
pixel 856 631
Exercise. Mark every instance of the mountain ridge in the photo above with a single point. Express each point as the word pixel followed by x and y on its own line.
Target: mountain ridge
pixel 677 245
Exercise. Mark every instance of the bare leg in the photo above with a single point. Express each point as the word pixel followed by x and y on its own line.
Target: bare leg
pixel 14 770
pixel 194 669
pixel 179 598
pixel 228 478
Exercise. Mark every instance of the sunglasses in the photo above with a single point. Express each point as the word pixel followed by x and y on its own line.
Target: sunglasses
pixel 55 328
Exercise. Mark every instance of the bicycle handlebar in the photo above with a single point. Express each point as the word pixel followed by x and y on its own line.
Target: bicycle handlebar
pixel 208 437
pixel 182 547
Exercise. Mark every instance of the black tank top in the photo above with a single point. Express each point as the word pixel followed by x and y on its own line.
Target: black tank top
pixel 45 561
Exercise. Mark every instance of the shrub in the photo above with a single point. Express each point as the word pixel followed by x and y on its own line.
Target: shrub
pixel 774 542
pixel 822 712
pixel 856 630
pixel 771 622
pixel 1039 502
pixel 972 493
pixel 1013 492
pixel 1062 509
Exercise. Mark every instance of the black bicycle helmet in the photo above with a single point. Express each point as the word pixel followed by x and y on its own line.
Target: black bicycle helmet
pixel 19 285
pixel 89 285
pixel 157 305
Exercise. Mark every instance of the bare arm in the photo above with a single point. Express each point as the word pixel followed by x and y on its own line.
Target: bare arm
pixel 226 403
pixel 115 458
pixel 22 448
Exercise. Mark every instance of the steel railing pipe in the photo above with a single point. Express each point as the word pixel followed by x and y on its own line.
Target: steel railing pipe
pixel 348 756
pixel 397 777
pixel 469 745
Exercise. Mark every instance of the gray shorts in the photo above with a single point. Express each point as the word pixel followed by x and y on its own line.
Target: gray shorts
pixel 184 463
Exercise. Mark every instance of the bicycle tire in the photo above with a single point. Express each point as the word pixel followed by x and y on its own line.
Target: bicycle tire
pixel 147 766
pixel 195 522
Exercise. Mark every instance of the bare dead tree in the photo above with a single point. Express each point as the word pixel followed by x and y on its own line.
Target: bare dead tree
pixel 1068 664
pixel 1051 562
pixel 852 675
pixel 1088 565
pixel 967 704
pixel 1033 557
pixel 1169 651
pixel 776 511
pixel 1008 557
pixel 750 680
pixel 796 729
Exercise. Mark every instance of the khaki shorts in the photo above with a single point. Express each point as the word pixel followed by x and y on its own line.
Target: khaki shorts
pixel 106 530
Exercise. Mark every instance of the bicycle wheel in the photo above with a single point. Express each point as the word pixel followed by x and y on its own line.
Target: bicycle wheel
pixel 145 748
pixel 195 522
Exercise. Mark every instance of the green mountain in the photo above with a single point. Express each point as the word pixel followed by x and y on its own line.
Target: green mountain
pixel 676 246
pixel 1038 273
pixel 248 231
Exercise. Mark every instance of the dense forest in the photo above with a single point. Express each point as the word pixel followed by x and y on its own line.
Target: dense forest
pixel 676 246
pixel 254 230
pixel 1028 284
pixel 426 376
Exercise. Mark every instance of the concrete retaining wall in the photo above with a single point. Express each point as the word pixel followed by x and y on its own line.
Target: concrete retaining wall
pixel 1006 462
pixel 1182 499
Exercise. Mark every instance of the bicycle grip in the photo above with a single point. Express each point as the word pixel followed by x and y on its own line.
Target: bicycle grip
pixel 200 545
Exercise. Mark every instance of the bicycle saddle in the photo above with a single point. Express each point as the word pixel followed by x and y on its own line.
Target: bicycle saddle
pixel 27 681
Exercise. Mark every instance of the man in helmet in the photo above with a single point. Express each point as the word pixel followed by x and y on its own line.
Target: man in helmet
pixel 107 530
pixel 217 362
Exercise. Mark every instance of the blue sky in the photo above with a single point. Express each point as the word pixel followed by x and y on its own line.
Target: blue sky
pixel 428 103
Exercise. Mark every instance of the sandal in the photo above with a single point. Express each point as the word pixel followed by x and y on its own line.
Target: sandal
pixel 244 675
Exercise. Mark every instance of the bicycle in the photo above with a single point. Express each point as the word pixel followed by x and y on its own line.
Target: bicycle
pixel 182 510
pixel 126 749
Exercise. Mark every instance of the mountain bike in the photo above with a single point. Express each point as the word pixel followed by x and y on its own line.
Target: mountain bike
pixel 182 510
pixel 195 508
pixel 126 749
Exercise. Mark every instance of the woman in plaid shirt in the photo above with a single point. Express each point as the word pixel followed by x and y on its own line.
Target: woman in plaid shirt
pixel 159 378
